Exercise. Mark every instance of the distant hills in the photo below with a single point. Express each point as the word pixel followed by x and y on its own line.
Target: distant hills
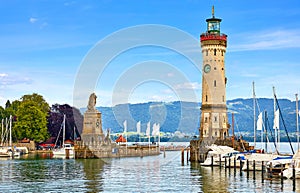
pixel 185 116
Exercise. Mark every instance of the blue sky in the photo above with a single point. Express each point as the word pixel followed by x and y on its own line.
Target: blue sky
pixel 44 43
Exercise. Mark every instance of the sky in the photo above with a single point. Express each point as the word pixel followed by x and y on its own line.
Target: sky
pixel 140 51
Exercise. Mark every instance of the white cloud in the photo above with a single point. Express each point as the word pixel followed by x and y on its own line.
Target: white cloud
pixel 3 75
pixel 188 86
pixel 6 80
pixel 266 40
pixel 33 20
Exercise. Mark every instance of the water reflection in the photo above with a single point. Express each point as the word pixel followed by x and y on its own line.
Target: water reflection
pixel 93 171
pixel 220 180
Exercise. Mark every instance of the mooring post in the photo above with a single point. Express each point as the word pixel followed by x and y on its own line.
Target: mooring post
pixel 187 155
pixel 225 163
pixel 241 167
pixel 281 176
pixel 270 170
pixel 220 159
pixel 254 169
pixel 234 164
pixel 212 161
pixel 229 163
pixel 164 151
pixel 182 156
pixel 262 171
pixel 294 178
pixel 247 168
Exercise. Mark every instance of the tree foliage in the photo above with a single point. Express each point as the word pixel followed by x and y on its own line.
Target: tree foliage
pixel 38 100
pixel 74 120
pixel 31 122
pixel 31 117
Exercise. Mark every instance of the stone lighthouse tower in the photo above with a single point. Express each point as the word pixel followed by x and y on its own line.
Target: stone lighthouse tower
pixel 214 122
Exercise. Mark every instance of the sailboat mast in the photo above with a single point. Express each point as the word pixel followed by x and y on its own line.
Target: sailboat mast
pixel 64 131
pixel 254 114
pixel 10 137
pixel 2 132
pixel 275 129
pixel 297 120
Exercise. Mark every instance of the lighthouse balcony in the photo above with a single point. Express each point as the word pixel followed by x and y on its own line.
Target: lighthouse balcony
pixel 211 36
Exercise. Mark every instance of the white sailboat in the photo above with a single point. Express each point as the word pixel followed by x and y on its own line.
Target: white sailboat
pixel 67 150
pixel 6 149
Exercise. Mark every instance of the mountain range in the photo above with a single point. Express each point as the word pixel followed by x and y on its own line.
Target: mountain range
pixel 185 116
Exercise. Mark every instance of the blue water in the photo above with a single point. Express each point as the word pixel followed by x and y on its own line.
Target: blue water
pixel 41 173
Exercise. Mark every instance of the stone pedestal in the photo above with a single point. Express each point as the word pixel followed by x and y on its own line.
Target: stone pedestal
pixel 92 122
pixel 92 132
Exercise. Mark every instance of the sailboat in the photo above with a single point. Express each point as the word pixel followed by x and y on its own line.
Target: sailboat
pixel 7 150
pixel 67 150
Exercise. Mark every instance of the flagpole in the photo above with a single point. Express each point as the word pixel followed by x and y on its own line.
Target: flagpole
pixel 275 129
pixel 254 116
pixel 297 120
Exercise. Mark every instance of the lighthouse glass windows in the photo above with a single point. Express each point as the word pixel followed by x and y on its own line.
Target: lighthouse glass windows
pixel 214 26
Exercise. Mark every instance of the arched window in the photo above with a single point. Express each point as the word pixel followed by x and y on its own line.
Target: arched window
pixel 215 52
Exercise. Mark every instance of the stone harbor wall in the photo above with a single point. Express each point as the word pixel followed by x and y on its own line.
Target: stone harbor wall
pixel 113 150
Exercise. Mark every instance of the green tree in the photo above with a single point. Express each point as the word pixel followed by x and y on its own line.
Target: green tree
pixel 7 104
pixel 12 109
pixel 31 122
pixel 38 100
pixel 2 113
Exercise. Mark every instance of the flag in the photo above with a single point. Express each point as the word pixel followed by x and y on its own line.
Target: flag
pixel 138 127
pixel 259 122
pixel 276 120
pixel 155 131
pixel 148 129
pixel 125 126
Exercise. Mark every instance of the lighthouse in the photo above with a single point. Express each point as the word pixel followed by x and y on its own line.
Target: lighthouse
pixel 214 122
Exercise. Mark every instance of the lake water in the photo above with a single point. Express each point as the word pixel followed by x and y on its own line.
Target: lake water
pixel 41 173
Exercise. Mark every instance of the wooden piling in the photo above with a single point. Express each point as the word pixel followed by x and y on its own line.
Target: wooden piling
pixel 254 169
pixel 220 159
pixel 212 161
pixel 247 168
pixel 294 178
pixel 270 173
pixel 187 156
pixel 182 156
pixel 164 151
pixel 241 167
pixel 262 171
pixel 281 176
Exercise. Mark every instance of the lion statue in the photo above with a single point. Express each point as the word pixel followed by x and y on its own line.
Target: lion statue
pixel 92 102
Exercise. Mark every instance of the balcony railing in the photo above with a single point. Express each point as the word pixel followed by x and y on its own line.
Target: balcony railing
pixel 209 36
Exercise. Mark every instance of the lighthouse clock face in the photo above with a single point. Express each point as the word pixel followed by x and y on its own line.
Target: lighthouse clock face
pixel 207 68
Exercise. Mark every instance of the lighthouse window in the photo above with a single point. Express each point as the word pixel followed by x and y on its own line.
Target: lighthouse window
pixel 216 134
pixel 215 52
pixel 205 98
pixel 215 83
pixel 223 98
pixel 205 120
pixel 216 119
pixel 222 53
pixel 206 52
